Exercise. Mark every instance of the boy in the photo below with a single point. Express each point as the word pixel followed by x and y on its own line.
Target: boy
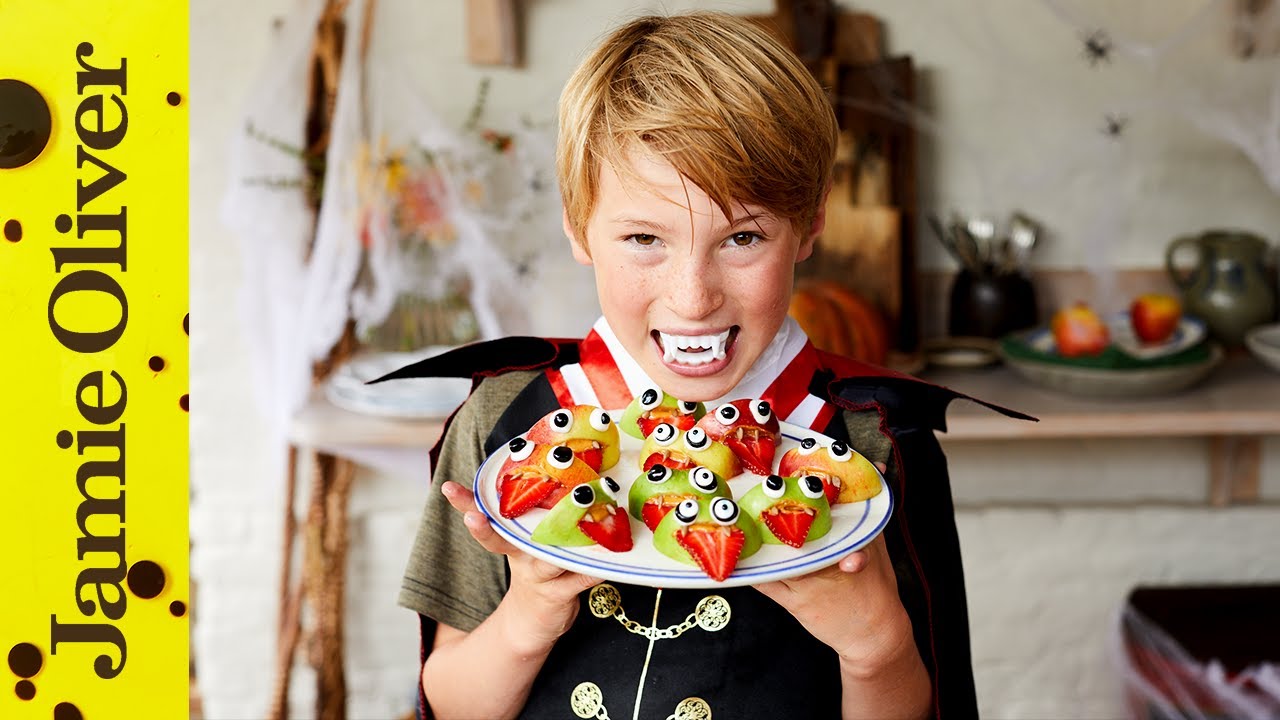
pixel 694 158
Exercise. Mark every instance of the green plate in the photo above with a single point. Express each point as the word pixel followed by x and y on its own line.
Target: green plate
pixel 1111 373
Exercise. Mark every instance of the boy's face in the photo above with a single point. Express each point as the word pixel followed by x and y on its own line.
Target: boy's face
pixel 694 296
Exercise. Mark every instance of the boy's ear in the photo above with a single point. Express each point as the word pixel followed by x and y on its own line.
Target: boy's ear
pixel 815 228
pixel 579 249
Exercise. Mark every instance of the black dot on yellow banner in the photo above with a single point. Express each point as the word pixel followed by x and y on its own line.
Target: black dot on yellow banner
pixel 62 223
pixel 177 608
pixel 185 329
pixel 156 363
pixel 25 123
pixel 173 99
pixel 12 231
pixel 66 711
pixel 25 689
pixel 65 439
pixel 145 579
pixel 184 403
pixel 25 660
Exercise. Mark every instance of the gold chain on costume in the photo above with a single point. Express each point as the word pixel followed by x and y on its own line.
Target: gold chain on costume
pixel 711 614
pixel 587 701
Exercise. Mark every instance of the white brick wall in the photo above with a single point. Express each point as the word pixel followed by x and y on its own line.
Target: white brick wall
pixel 1053 533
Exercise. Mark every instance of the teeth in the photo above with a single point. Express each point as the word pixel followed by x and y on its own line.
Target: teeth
pixel 676 348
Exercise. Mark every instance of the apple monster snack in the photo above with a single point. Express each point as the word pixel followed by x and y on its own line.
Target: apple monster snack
pixel 685 450
pixel 789 511
pixel 652 407
pixel 846 475
pixel 749 428
pixel 709 532
pixel 588 515
pixel 587 430
pixel 536 475
pixel 660 489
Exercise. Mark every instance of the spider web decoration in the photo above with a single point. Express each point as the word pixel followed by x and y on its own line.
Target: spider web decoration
pixel 1084 140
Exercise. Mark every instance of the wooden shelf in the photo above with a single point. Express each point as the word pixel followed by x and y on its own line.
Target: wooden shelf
pixel 1240 397
pixel 1234 407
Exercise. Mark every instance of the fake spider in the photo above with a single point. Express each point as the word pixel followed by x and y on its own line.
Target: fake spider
pixel 1115 125
pixel 1097 47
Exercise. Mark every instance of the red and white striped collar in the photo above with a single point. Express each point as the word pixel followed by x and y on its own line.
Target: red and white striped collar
pixel 607 376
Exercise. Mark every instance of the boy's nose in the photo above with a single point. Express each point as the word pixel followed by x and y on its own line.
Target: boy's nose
pixel 696 291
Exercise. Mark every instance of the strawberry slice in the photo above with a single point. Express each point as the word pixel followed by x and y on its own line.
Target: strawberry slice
pixel 550 499
pixel 519 494
pixel 653 511
pixel 790 523
pixel 593 457
pixel 831 489
pixel 716 550
pixel 611 533
pixel 647 423
pixel 755 453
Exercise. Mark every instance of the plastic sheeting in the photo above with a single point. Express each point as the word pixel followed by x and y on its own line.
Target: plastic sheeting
pixel 1164 681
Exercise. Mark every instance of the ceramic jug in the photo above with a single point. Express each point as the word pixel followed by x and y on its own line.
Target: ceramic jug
pixel 1228 285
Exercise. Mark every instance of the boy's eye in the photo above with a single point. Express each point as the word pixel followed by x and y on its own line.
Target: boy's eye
pixel 643 239
pixel 744 239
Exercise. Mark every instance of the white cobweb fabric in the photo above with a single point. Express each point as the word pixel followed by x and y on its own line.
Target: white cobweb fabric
pixel 294 307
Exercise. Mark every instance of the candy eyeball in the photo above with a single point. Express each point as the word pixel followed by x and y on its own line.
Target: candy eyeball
pixel 697 438
pixel 687 511
pixel 560 457
pixel 658 474
pixel 774 486
pixel 687 408
pixel 562 420
pixel 650 398
pixel 811 486
pixel 762 411
pixel 520 449
pixel 727 414
pixel 584 496
pixel 703 479
pixel 610 486
pixel 600 420
pixel 839 451
pixel 808 445
pixel 724 511
pixel 664 433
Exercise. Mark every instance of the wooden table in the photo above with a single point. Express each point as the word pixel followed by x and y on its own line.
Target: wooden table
pixel 1234 407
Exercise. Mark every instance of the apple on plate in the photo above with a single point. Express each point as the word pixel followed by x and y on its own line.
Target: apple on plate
pixel 1155 317
pixel 1078 330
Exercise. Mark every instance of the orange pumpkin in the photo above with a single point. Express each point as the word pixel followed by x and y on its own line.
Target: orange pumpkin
pixel 839 320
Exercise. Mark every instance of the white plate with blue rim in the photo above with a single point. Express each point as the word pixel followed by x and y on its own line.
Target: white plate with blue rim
pixel 1189 333
pixel 406 398
pixel 853 525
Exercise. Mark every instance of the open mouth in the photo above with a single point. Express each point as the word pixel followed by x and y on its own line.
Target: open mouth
pixel 695 350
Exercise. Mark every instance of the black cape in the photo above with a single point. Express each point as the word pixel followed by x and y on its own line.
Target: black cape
pixel 734 669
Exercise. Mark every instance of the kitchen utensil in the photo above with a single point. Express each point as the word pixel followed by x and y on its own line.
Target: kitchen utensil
pixel 1023 235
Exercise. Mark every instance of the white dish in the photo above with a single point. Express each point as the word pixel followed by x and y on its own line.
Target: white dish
pixel 853 525
pixel 1188 334
pixel 1264 342
pixel 404 398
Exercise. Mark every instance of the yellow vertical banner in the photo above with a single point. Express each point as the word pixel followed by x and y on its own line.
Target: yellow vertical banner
pixel 94 591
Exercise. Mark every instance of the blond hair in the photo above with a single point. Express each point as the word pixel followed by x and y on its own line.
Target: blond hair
pixel 715 95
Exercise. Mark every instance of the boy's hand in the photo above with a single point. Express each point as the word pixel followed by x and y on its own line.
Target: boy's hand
pixel 851 606
pixel 543 598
